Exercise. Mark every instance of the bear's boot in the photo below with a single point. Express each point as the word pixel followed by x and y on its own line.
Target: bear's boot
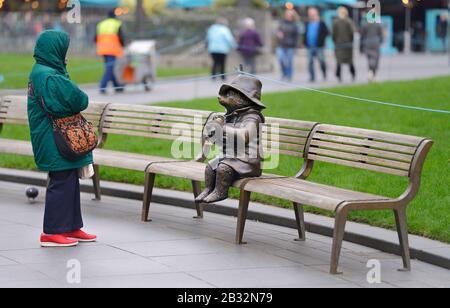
pixel 225 176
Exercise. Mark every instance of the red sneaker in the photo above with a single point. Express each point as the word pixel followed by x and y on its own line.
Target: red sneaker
pixel 57 241
pixel 81 236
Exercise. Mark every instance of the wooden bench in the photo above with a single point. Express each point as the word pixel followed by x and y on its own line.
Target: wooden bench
pixel 377 151
pixel 394 154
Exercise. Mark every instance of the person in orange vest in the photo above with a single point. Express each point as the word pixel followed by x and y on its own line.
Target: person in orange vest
pixel 110 42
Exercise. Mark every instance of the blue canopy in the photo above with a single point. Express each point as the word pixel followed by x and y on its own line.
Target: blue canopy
pixel 205 3
pixel 314 2
pixel 187 4
pixel 100 3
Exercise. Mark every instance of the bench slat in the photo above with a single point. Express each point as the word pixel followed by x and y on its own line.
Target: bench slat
pixel 14 110
pixel 362 150
pixel 9 101
pixel 15 99
pixel 365 142
pixel 287 193
pixel 21 110
pixel 285 131
pixel 141 128
pixel 360 158
pixel 95 108
pixel 149 122
pixel 359 165
pixel 376 135
pixel 160 110
pixel 283 152
pixel 186 170
pixel 322 189
pixel 21 114
pixel 154 116
pixel 17 147
pixel 286 139
pixel 148 135
pixel 288 123
pixel 14 121
pixel 281 145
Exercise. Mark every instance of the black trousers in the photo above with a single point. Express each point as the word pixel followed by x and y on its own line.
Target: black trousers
pixel 339 71
pixel 62 203
pixel 219 64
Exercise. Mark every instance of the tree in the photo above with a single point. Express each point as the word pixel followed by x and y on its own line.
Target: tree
pixel 243 4
pixel 150 7
pixel 139 17
pixel 260 4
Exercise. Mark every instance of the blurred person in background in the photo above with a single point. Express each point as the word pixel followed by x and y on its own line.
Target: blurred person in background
pixel 419 36
pixel 315 36
pixel 110 42
pixel 288 37
pixel 6 25
pixel 442 29
pixel 343 35
pixel 372 37
pixel 220 42
pixel 250 43
pixel 47 23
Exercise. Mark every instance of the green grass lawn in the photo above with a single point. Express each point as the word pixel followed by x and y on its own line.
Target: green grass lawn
pixel 429 214
pixel 15 70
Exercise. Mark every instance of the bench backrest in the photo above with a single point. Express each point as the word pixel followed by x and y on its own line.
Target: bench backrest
pixel 13 110
pixel 286 137
pixel 154 122
pixel 366 149
pixel 159 123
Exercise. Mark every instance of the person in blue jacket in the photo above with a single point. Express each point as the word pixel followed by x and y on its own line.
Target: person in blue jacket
pixel 220 42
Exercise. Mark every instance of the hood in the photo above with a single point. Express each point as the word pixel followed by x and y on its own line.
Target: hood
pixel 51 50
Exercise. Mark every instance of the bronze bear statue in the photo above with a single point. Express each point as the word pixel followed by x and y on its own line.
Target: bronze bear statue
pixel 239 135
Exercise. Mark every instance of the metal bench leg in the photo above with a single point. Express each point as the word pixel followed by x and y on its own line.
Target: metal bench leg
pixel 244 201
pixel 402 229
pixel 300 218
pixel 338 237
pixel 148 191
pixel 196 187
pixel 96 183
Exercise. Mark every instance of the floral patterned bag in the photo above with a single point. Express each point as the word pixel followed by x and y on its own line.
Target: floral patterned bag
pixel 74 135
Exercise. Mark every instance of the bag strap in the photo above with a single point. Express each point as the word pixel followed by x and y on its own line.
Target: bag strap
pixel 41 102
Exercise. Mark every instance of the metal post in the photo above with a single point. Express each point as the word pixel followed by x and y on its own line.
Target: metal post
pixel 447 42
pixel 140 16
pixel 407 48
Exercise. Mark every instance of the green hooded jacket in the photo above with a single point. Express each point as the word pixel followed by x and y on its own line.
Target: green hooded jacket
pixel 62 97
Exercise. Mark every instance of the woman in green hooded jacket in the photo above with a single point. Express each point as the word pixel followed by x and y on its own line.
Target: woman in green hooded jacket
pixel 49 82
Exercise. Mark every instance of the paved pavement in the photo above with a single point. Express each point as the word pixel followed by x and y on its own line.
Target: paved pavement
pixel 177 251
pixel 398 67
